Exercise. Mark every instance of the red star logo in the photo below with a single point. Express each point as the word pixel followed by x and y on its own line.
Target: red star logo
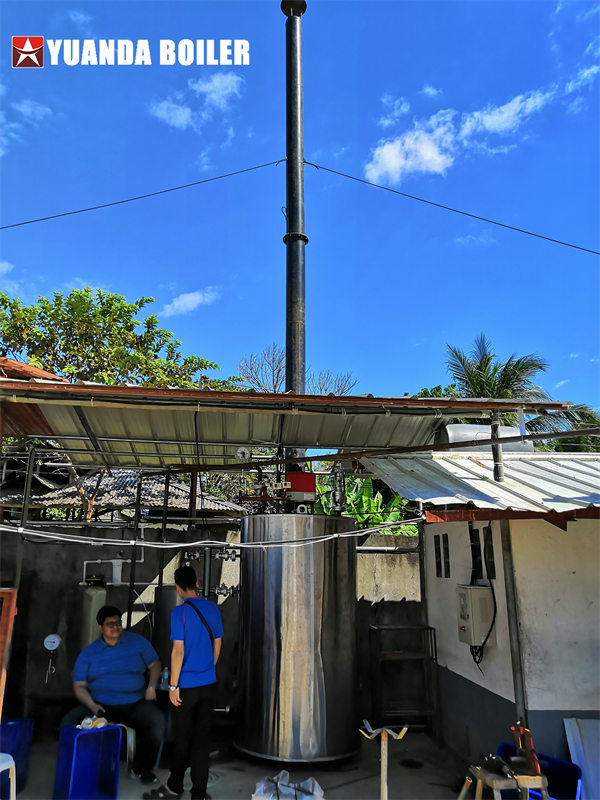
pixel 28 51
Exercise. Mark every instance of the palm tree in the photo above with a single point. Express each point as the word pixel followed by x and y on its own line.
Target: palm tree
pixel 480 373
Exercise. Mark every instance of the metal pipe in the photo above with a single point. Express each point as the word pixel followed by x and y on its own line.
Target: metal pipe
pixel 384 765
pixel 161 561
pixel 348 455
pixel 206 575
pixel 387 550
pixel 295 238
pixel 422 573
pixel 512 610
pixel 497 448
pixel 136 525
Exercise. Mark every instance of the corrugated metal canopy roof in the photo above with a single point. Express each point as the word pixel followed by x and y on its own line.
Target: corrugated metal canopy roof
pixel 533 481
pixel 139 427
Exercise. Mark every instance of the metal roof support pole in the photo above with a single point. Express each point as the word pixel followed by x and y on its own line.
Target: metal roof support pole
pixel 161 559
pixel 497 448
pixel 512 609
pixel 136 526
pixel 510 588
pixel 295 238
pixel 193 500
pixel 24 516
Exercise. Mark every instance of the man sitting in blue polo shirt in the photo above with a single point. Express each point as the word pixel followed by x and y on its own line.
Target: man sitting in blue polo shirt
pixel 108 680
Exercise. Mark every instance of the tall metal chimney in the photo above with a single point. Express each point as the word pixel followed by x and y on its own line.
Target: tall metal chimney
pixel 295 239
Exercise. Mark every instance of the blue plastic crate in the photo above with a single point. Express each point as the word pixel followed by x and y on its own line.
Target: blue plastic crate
pixel 564 778
pixel 87 766
pixel 15 739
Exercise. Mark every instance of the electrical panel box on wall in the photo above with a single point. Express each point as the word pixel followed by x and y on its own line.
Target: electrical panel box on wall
pixel 475 612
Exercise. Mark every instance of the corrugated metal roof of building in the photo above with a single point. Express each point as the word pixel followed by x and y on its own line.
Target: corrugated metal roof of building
pixel 119 489
pixel 533 481
pixel 139 427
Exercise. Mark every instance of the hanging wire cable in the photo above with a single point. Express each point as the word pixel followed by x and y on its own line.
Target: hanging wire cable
pixel 450 208
pixel 97 541
pixel 141 196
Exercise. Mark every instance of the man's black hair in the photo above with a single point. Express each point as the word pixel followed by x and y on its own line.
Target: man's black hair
pixel 107 611
pixel 185 578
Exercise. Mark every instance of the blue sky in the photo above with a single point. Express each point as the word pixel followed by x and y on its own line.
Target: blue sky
pixel 490 107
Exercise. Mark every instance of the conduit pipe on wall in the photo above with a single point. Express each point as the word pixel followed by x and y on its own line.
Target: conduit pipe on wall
pixel 512 609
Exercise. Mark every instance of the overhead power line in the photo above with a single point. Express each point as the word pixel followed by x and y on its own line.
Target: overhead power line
pixel 140 196
pixel 450 208
pixel 317 166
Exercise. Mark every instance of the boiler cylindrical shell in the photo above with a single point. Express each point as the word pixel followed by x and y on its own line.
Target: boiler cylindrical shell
pixel 298 671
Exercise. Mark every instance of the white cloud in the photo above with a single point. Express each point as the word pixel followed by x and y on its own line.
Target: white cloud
pixel 174 114
pixel 394 108
pixel 434 144
pixel 230 134
pixel 80 19
pixel 9 132
pixel 6 284
pixel 200 102
pixel 593 9
pixel 560 383
pixel 219 89
pixel 594 360
pixel 203 162
pixel 573 355
pixel 593 48
pixel 577 105
pixel 32 111
pixel 585 76
pixel 428 148
pixel 506 118
pixel 484 239
pixel 430 91
pixel 189 301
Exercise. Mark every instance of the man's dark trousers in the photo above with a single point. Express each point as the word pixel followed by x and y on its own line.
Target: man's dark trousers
pixel 191 730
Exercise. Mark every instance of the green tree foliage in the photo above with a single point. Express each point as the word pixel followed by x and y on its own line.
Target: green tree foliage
pixel 480 373
pixel 364 505
pixel 87 336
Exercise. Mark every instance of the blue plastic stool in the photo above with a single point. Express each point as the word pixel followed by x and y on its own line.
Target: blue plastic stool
pixel 15 740
pixel 7 764
pixel 87 766
pixel 564 778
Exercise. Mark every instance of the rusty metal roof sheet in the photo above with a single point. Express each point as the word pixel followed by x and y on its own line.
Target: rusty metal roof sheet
pixel 125 426
pixel 118 491
pixel 533 481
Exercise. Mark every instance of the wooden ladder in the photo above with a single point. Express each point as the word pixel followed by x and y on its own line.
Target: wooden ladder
pixel 8 610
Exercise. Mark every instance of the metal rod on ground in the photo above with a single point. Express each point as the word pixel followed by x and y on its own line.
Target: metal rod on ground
pixel 136 525
pixel 512 611
pixel 369 733
pixel 384 765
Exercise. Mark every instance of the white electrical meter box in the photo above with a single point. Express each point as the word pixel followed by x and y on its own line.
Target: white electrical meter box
pixel 475 610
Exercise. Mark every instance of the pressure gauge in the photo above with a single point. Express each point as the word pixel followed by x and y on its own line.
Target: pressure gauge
pixel 52 641
pixel 242 454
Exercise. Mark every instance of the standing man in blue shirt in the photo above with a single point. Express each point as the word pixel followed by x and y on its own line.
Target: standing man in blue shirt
pixel 196 633
pixel 109 680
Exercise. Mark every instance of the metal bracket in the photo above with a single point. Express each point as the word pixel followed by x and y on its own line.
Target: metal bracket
pixel 291 236
pixel 227 555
